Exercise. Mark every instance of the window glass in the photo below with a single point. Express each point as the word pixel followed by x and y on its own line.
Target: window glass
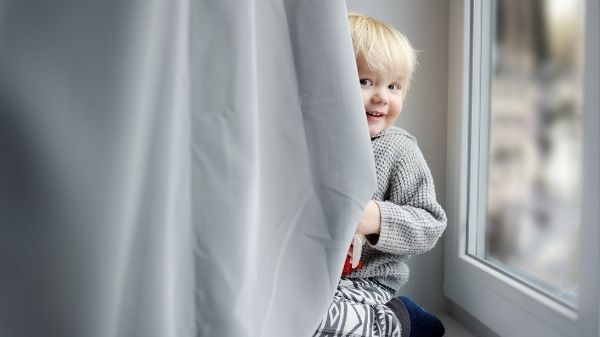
pixel 534 143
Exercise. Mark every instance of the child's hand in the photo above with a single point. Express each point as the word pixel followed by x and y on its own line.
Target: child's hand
pixel 370 221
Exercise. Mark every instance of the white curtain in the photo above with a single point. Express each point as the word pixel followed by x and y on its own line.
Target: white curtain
pixel 176 167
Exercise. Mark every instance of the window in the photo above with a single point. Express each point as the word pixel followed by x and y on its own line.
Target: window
pixel 530 135
pixel 519 213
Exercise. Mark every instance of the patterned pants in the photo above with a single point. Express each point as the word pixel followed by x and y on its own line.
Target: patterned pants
pixel 358 310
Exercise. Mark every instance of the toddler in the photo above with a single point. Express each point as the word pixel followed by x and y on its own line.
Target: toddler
pixel 403 218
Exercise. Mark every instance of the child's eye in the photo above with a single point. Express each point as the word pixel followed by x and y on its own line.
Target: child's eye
pixel 394 86
pixel 365 81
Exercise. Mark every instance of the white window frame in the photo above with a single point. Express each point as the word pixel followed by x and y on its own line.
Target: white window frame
pixel 505 305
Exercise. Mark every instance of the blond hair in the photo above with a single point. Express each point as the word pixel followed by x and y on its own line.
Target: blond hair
pixel 382 48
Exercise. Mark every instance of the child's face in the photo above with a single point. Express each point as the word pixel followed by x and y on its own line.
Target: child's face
pixel 383 96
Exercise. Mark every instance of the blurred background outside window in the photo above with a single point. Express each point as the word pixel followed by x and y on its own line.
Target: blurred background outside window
pixel 535 136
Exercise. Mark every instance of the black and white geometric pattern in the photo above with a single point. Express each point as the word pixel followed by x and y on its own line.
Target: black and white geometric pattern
pixel 358 310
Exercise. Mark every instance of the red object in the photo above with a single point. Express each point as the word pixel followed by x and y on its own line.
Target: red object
pixel 348 264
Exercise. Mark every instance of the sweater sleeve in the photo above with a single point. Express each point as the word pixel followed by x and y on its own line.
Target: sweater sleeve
pixel 411 220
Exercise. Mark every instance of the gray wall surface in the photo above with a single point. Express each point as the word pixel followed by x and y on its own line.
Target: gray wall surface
pixel 425 23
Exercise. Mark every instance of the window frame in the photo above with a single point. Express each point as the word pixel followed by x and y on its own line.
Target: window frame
pixel 507 306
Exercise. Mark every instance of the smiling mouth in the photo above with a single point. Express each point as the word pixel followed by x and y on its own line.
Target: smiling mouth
pixel 374 114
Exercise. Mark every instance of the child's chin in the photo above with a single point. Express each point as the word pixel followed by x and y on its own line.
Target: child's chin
pixel 373 131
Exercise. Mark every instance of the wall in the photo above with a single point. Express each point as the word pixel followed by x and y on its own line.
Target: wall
pixel 425 23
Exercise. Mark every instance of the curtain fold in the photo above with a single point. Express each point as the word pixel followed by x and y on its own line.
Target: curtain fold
pixel 176 168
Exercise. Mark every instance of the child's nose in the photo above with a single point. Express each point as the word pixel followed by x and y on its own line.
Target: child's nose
pixel 380 96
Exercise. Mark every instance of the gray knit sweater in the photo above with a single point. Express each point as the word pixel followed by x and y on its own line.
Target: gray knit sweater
pixel 411 218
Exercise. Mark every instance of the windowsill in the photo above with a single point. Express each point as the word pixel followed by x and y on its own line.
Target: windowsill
pixel 453 327
pixel 459 323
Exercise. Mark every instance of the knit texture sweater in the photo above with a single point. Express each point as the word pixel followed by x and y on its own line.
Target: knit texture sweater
pixel 411 218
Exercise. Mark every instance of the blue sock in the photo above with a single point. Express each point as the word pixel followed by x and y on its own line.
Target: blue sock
pixel 423 324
